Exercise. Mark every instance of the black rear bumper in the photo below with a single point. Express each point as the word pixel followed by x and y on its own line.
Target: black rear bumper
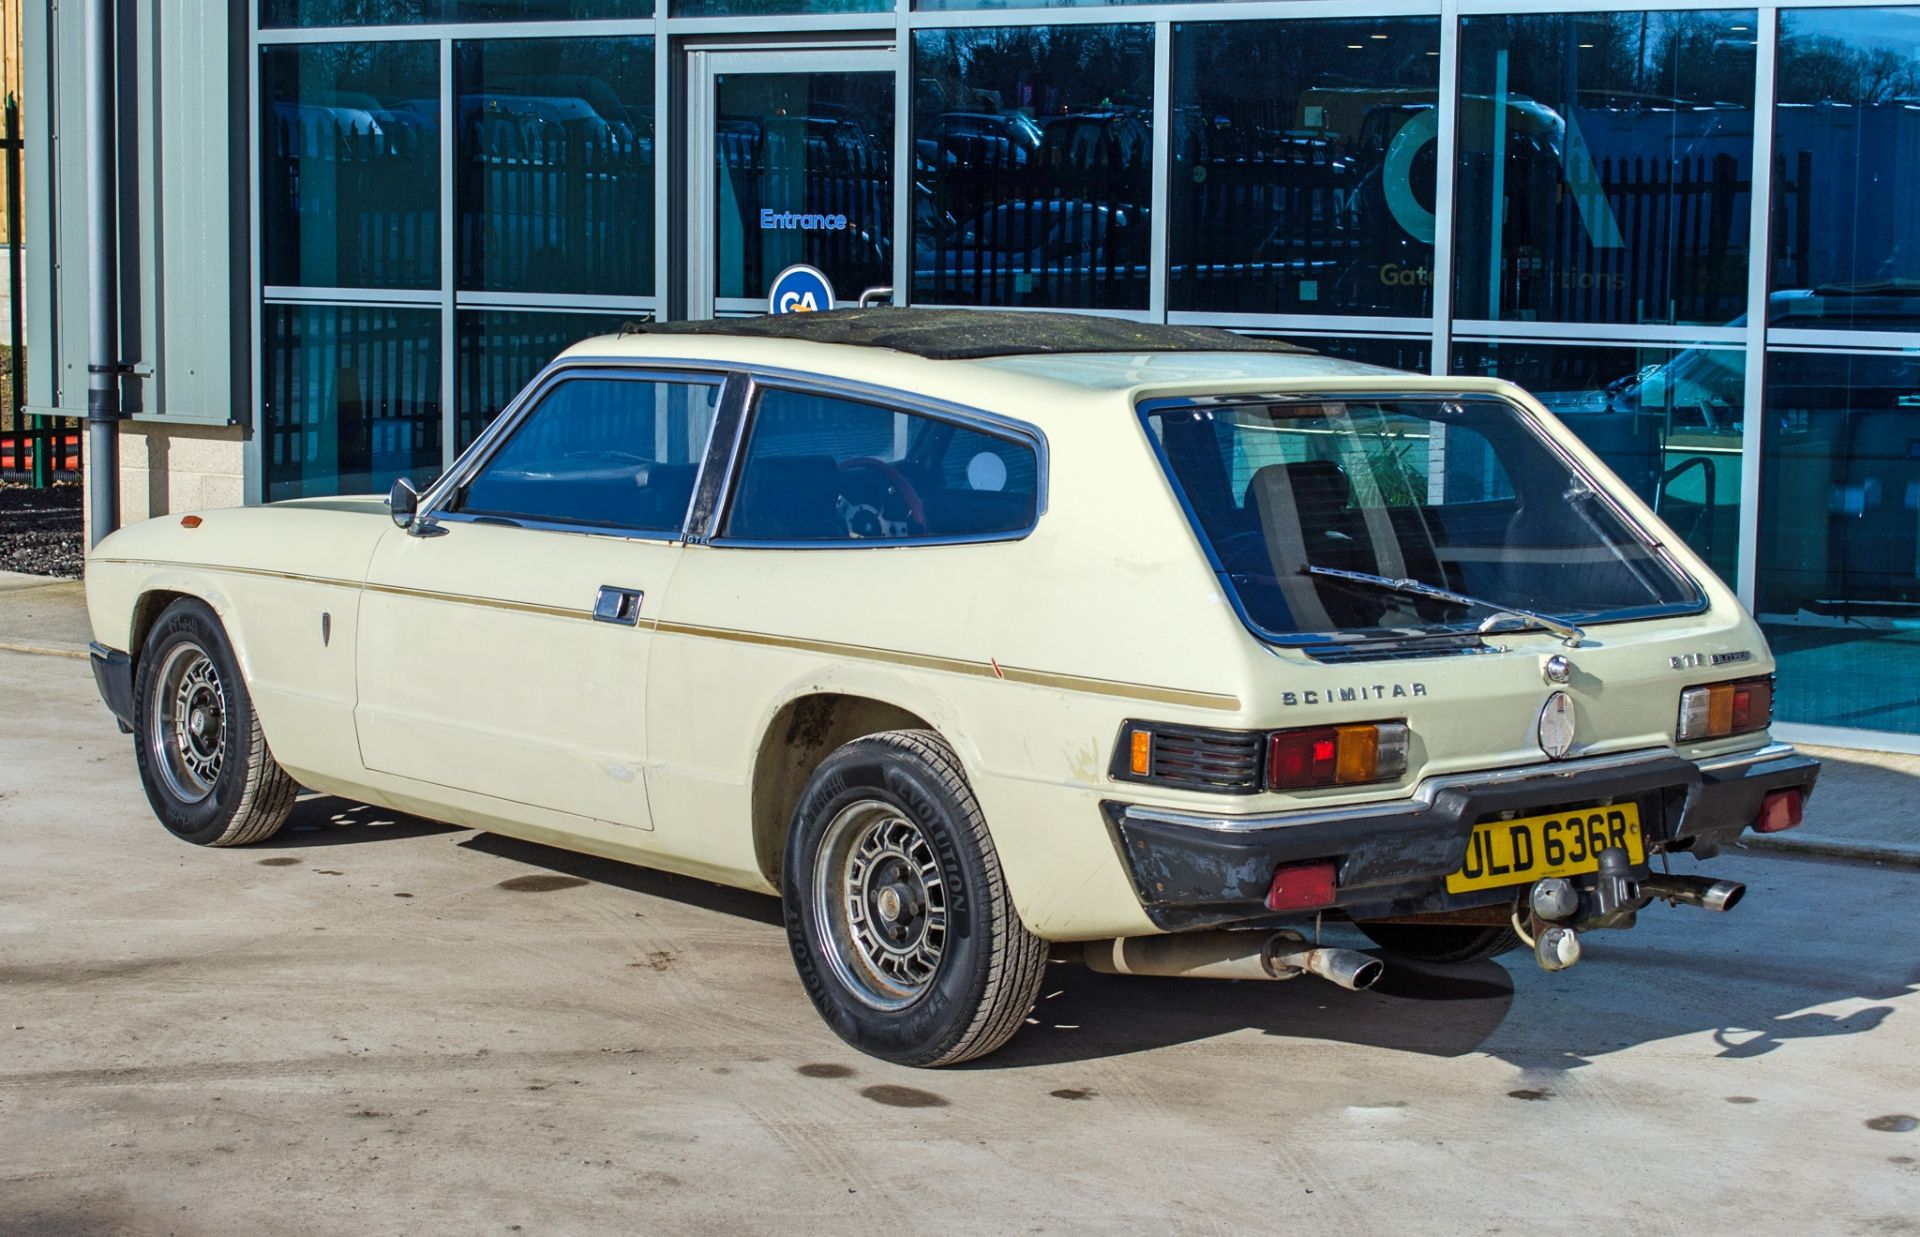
pixel 113 675
pixel 1392 859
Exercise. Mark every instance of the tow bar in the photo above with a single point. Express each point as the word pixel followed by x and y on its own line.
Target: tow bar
pixel 1562 909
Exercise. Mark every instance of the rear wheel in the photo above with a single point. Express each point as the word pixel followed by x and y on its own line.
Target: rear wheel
pixel 203 759
pixel 898 917
pixel 1445 943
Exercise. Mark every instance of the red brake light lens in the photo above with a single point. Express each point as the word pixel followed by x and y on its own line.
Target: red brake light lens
pixel 1336 755
pixel 1716 710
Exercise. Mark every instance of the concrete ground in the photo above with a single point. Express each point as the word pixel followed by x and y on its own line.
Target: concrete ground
pixel 376 1024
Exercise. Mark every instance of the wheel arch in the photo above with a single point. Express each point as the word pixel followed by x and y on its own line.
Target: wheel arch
pixel 801 733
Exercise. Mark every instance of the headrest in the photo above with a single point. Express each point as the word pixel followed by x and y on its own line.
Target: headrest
pixel 1317 485
pixel 787 497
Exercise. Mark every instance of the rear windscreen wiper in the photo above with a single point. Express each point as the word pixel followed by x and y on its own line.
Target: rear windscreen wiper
pixel 1568 633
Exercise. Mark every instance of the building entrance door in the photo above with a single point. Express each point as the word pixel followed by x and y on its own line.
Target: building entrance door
pixel 792 162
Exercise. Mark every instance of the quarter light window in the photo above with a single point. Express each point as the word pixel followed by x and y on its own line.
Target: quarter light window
pixel 823 469
pixel 619 453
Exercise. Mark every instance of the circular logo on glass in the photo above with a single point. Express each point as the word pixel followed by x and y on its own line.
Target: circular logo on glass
pixel 1556 725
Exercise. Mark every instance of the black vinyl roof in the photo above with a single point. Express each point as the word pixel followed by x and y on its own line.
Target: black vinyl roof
pixel 972 334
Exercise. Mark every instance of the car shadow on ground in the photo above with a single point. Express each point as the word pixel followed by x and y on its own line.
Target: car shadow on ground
pixel 324 820
pixel 1634 988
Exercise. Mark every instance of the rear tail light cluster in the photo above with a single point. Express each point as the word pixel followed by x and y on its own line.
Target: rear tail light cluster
pixel 1246 762
pixel 1716 710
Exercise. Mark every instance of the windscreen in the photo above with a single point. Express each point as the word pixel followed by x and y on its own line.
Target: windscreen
pixel 1298 499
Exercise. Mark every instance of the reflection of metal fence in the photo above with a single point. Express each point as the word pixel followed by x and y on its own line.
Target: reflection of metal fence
pixel 831 175
pixel 555 210
pixel 1065 226
pixel 352 397
pixel 348 204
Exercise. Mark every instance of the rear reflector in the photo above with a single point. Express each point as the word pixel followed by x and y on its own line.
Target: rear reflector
pixel 1779 811
pixel 1301 887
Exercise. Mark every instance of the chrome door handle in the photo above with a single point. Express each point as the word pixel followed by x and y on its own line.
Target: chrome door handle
pixel 618 605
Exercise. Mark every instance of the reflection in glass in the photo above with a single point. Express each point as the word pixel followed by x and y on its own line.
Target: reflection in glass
pixel 1033 153
pixel 497 352
pixel 803 172
pixel 413 12
pixel 1605 167
pixel 1667 420
pixel 1839 577
pixel 1303 166
pixel 352 398
pixel 555 165
pixel 1412 355
pixel 1846 236
pixel 350 165
pixel 772 8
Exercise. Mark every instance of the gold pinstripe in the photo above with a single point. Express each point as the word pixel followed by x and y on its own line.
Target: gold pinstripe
pixel 896 657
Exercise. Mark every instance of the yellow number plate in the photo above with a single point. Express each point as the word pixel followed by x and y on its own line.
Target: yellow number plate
pixel 1516 852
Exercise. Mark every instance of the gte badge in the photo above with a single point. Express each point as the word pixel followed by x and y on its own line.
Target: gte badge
pixel 800 289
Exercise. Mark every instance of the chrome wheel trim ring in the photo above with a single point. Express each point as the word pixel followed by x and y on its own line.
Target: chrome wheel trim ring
pixel 880 903
pixel 187 729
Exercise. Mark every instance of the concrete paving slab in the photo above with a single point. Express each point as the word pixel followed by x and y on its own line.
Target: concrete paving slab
pixel 39 614
pixel 1866 805
pixel 375 1024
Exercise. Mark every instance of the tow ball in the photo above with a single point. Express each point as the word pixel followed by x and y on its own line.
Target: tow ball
pixel 1562 908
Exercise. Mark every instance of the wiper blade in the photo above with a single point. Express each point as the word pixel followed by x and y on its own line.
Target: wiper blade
pixel 1568 633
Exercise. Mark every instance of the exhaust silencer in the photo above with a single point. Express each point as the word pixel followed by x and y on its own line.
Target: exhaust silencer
pixel 1228 954
pixel 1701 891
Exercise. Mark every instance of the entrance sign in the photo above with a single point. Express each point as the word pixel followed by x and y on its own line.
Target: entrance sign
pixel 799 289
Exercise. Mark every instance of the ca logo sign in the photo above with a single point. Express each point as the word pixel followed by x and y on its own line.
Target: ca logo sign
pixel 799 289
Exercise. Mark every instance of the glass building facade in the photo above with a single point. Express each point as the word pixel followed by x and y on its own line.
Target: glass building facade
pixel 1686 229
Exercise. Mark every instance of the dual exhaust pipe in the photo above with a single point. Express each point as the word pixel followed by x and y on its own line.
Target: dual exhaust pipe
pixel 1231 954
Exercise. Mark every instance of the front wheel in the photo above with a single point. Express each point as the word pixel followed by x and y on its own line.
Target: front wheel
pixel 202 756
pixel 898 916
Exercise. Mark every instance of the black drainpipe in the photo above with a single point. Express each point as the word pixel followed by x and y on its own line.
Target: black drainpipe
pixel 103 363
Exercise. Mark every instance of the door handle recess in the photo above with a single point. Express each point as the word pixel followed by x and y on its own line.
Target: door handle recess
pixel 618 605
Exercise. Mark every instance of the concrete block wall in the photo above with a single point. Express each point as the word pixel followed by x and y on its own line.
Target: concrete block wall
pixel 168 468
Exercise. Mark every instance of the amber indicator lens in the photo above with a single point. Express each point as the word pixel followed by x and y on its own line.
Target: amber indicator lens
pixel 1716 710
pixel 1336 755
pixel 1140 753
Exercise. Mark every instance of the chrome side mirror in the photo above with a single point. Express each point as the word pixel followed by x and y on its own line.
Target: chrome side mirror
pixel 403 501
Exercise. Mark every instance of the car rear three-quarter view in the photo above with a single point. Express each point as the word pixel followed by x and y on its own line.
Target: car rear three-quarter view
pixel 988 639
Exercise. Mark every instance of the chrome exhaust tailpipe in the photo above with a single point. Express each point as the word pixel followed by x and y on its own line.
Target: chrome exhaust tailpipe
pixel 1702 891
pixel 1349 968
pixel 1229 954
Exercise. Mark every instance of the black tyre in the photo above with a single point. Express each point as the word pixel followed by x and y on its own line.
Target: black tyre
pixel 203 760
pixel 1445 943
pixel 899 920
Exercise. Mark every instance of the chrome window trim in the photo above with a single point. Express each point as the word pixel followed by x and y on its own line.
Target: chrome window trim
pixel 993 424
pixel 489 440
pixel 1309 640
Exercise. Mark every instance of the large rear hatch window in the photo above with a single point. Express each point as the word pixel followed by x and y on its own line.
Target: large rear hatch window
pixel 1351 518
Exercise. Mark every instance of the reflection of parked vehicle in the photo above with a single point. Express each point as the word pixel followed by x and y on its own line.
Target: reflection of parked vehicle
pixel 978 139
pixel 979 637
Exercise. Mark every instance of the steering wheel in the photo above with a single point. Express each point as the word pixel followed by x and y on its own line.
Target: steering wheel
pixel 896 481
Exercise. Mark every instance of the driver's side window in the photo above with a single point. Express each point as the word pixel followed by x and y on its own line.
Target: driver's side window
pixel 820 468
pixel 599 451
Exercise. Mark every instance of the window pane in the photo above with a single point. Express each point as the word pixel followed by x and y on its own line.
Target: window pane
pixel 1620 190
pixel 824 469
pixel 604 452
pixel 1846 238
pixel 1839 582
pixel 1303 166
pixel 1409 355
pixel 350 165
pixel 412 12
pixel 497 352
pixel 769 8
pixel 803 172
pixel 555 165
pixel 1033 153
pixel 1456 494
pixel 1667 420
pixel 352 398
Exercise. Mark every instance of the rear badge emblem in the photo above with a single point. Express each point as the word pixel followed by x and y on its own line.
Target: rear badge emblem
pixel 1556 726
